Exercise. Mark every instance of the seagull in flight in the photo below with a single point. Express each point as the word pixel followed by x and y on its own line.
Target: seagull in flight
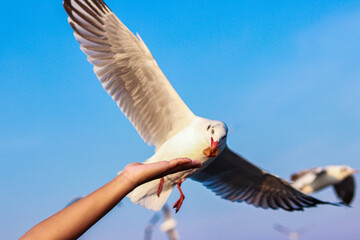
pixel 169 224
pixel 292 235
pixel 130 75
pixel 316 179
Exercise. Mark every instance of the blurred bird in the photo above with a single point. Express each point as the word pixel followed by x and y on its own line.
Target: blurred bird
pixel 150 226
pixel 74 200
pixel 169 224
pixel 315 179
pixel 131 76
pixel 292 235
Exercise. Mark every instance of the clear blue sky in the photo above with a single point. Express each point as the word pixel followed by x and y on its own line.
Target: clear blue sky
pixel 283 75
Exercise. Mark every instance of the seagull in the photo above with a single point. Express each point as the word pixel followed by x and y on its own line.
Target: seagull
pixel 169 224
pixel 150 226
pixel 292 235
pixel 130 75
pixel 315 179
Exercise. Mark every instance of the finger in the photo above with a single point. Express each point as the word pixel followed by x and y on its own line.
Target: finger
pixel 188 165
pixel 182 164
pixel 178 162
pixel 163 168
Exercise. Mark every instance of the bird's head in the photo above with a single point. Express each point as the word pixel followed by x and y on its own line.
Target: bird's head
pixel 340 172
pixel 215 134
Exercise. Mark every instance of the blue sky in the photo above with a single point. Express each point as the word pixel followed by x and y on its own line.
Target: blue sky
pixel 283 75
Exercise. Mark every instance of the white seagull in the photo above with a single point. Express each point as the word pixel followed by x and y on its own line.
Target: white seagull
pixel 169 224
pixel 315 179
pixel 292 235
pixel 131 76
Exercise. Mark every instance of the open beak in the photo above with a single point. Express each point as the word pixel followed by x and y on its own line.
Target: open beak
pixel 214 144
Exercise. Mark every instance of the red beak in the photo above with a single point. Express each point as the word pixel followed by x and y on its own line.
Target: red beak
pixel 214 144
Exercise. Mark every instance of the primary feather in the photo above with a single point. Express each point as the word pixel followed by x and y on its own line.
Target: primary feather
pixel 128 72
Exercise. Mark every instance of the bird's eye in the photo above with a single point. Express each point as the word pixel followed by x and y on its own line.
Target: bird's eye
pixel 343 169
pixel 208 127
pixel 212 131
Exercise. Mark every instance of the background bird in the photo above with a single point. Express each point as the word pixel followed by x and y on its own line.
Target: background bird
pixel 316 179
pixel 291 234
pixel 150 226
pixel 131 76
pixel 169 224
pixel 74 200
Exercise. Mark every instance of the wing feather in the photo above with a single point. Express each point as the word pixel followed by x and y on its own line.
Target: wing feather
pixel 128 72
pixel 234 178
pixel 345 189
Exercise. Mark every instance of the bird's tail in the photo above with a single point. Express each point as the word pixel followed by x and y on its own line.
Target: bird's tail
pixel 146 195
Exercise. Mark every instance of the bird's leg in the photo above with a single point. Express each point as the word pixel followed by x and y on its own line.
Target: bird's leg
pixel 179 202
pixel 160 187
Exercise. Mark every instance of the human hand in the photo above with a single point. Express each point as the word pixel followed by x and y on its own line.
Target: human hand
pixel 138 173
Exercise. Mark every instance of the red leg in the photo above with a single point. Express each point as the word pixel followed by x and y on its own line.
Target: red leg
pixel 160 187
pixel 179 202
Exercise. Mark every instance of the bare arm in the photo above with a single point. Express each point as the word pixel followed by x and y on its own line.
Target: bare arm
pixel 73 221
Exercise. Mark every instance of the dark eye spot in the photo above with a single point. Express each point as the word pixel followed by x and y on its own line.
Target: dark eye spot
pixel 208 127
pixel 212 131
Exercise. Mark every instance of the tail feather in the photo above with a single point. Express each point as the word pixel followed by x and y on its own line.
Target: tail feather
pixel 146 195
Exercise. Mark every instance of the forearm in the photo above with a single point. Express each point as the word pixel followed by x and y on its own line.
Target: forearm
pixel 73 221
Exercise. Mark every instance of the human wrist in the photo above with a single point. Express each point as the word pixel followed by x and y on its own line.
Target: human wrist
pixel 128 179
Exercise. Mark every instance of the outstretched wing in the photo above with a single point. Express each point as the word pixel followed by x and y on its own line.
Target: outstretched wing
pixel 345 189
pixel 315 172
pixel 234 178
pixel 128 71
pixel 300 174
pixel 306 177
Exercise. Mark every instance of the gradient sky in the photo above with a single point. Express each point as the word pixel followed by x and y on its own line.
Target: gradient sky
pixel 283 75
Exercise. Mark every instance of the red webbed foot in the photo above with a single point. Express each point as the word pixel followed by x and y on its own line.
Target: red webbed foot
pixel 179 202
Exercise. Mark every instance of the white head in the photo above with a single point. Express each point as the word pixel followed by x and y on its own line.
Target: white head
pixel 215 133
pixel 340 172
